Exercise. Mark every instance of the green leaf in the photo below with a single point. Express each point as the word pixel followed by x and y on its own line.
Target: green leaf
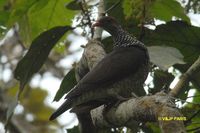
pixel 182 36
pixel 36 99
pixel 184 92
pixel 2 3
pixel 73 5
pixel 10 111
pixel 36 16
pixel 39 5
pixel 161 79
pixel 53 14
pixel 115 12
pixel 176 34
pixel 127 6
pixel 11 108
pixel 135 9
pixel 67 84
pixel 108 44
pixel 165 57
pixel 4 13
pixel 37 54
pixel 154 127
pixel 166 9
pixel 75 129
pixel 21 8
pixel 196 99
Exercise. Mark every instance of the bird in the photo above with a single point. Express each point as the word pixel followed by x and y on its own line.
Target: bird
pixel 115 78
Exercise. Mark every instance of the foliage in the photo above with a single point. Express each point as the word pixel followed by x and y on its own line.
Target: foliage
pixel 36 16
pixel 182 36
pixel 75 129
pixel 37 54
pixel 170 8
pixel 68 82
pixel 43 24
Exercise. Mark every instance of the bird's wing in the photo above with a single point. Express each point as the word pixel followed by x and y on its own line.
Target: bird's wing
pixel 117 65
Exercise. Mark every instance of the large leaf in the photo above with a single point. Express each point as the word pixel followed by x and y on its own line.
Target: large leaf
pixel 67 84
pixel 36 16
pixel 115 11
pixel 75 129
pixel 182 36
pixel 40 4
pixel 161 79
pixel 176 34
pixel 195 116
pixel 166 9
pixel 37 54
pixel 73 5
pixel 53 14
pixel 165 57
pixel 10 111
pixel 4 12
pixel 136 9
pixel 20 8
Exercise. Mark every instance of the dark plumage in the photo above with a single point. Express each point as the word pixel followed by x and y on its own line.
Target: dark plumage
pixel 115 77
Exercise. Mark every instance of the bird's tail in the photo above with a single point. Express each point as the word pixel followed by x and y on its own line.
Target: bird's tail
pixel 64 107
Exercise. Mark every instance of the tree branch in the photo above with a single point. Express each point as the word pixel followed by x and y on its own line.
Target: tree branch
pixel 185 78
pixel 148 108
pixel 101 12
pixel 93 53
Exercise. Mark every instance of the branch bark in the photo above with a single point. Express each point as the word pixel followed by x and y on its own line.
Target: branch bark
pixel 93 53
pixel 153 108
pixel 101 12
pixel 185 78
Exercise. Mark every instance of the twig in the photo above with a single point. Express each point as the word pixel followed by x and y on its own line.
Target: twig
pixel 113 6
pixel 189 119
pixel 86 13
pixel 194 129
pixel 185 101
pixel 188 6
pixel 193 96
pixel 185 78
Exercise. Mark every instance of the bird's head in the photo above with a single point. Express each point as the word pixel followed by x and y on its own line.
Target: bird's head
pixel 107 23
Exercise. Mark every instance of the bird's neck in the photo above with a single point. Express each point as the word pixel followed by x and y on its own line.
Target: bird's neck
pixel 123 39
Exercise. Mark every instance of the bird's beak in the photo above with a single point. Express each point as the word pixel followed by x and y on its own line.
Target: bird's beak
pixel 96 24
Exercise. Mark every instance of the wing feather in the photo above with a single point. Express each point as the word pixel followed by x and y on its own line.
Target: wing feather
pixel 117 65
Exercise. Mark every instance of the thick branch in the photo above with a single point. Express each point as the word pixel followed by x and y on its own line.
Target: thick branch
pixel 143 109
pixel 101 10
pixel 185 78
pixel 93 53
